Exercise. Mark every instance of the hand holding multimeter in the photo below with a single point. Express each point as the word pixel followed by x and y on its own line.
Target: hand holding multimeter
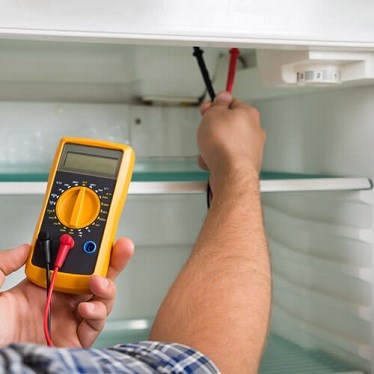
pixel 86 191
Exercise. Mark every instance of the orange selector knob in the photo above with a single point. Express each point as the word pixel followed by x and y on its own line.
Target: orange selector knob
pixel 78 207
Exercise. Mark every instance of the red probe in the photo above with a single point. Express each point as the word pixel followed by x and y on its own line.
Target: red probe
pixel 234 53
pixel 66 244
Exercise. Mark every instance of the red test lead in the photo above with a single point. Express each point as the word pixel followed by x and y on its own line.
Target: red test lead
pixel 234 53
pixel 66 244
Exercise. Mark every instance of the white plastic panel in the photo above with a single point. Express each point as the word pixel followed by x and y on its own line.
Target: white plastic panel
pixel 97 72
pixel 321 249
pixel 150 219
pixel 328 132
pixel 324 208
pixel 36 128
pixel 306 22
pixel 147 279
pixel 164 132
pixel 18 218
pixel 314 68
pixel 107 73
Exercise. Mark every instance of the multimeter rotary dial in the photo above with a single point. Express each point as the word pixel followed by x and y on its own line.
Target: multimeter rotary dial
pixel 78 207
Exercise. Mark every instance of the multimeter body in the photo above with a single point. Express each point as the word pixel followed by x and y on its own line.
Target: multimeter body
pixel 86 191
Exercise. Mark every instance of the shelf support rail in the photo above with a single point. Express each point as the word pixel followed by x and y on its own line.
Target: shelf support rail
pixel 160 188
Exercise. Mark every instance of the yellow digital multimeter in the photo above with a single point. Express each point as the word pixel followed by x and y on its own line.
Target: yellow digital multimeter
pixel 86 191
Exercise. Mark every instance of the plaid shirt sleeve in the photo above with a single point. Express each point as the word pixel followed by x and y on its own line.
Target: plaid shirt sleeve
pixel 144 358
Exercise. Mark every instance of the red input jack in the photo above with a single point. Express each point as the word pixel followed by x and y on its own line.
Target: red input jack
pixel 66 244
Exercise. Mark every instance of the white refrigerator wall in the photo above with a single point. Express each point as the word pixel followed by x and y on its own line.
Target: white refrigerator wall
pixel 35 127
pixel 321 248
pixel 328 132
pixel 322 243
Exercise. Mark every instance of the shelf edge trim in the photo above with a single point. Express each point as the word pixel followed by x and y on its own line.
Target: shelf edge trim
pixel 159 188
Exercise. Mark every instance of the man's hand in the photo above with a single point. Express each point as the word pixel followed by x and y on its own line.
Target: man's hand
pixel 230 138
pixel 77 320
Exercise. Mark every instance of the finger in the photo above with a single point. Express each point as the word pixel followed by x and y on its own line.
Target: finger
pixel 122 252
pixel 204 106
pixel 223 99
pixel 101 287
pixel 93 310
pixel 237 104
pixel 103 290
pixel 11 260
pixel 202 163
pixel 94 315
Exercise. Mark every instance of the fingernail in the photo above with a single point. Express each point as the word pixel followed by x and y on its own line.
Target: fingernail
pixel 104 282
pixel 90 307
pixel 224 96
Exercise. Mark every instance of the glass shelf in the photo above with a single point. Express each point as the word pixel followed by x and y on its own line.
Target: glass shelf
pixel 146 170
pixel 281 355
pixel 168 170
pixel 187 169
pixel 173 176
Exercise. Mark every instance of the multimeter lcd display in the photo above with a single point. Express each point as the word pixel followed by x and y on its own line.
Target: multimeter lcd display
pixel 92 164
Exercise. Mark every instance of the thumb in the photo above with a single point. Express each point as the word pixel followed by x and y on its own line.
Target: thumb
pixel 122 252
pixel 11 260
pixel 223 99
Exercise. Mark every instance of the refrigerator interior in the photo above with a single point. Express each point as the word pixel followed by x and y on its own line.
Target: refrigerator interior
pixel 320 241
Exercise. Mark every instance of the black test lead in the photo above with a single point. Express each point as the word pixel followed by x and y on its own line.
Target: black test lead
pixel 198 53
pixel 45 244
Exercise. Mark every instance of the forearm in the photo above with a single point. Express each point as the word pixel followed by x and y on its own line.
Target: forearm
pixel 220 302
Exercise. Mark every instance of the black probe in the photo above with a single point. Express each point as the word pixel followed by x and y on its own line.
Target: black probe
pixel 198 53
pixel 45 243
